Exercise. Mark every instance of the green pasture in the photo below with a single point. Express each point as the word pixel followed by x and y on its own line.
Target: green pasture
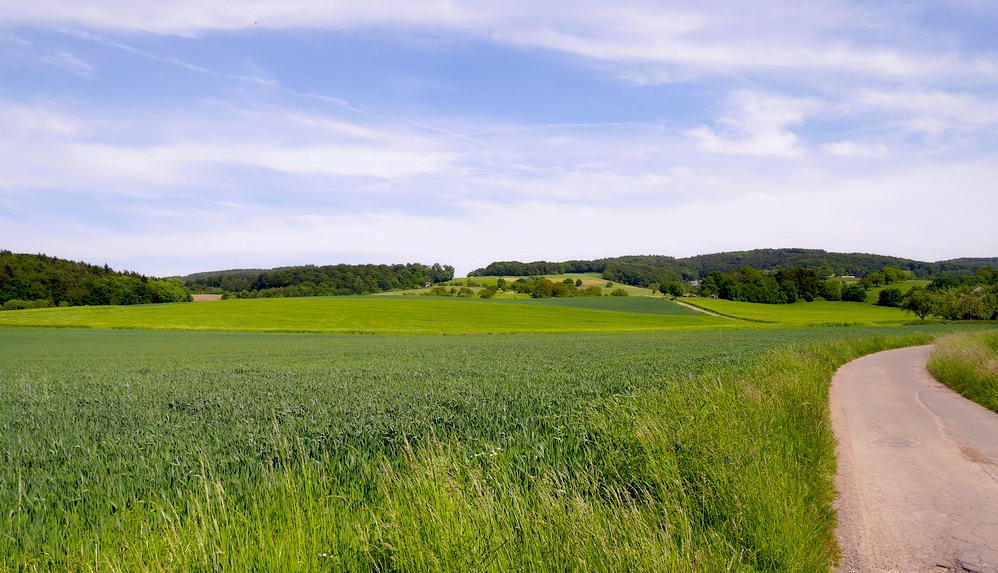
pixel 817 313
pixel 634 304
pixel 873 295
pixel 587 279
pixel 400 315
pixel 139 450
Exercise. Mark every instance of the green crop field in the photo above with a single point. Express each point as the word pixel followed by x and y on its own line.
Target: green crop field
pixel 426 315
pixel 130 450
pixel 633 304
pixel 817 313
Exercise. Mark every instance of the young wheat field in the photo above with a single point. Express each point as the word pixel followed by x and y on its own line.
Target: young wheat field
pixel 131 450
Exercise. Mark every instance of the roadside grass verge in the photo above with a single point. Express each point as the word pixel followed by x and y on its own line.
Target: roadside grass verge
pixel 181 451
pixel 968 363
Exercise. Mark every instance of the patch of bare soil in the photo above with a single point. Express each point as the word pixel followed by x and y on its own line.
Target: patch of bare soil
pixel 206 297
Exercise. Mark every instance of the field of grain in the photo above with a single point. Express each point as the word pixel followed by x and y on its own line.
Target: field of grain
pixel 400 315
pixel 129 450
pixel 817 313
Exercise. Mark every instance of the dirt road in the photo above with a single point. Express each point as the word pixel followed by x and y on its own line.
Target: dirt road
pixel 918 469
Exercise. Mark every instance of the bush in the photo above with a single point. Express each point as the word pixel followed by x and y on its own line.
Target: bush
pixel 578 282
pixel 609 284
pixel 831 290
pixel 890 297
pixel 854 292
pixel 619 292
pixel 16 304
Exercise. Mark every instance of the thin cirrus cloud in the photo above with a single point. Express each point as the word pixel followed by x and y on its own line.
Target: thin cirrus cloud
pixel 445 130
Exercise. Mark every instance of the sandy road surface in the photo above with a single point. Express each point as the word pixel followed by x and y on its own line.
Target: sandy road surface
pixel 918 469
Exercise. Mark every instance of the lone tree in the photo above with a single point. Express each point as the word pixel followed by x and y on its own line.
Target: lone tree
pixel 921 302
pixel 672 288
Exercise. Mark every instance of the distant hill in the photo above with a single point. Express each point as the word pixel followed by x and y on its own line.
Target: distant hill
pixel 238 273
pixel 646 269
pixel 311 280
pixel 28 281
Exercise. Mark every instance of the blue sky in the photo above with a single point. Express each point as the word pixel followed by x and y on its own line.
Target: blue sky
pixel 178 138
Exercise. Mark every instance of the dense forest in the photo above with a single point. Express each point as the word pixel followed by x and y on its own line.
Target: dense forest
pixel 36 281
pixel 968 297
pixel 645 270
pixel 311 280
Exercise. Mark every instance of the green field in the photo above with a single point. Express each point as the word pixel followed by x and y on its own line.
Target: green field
pixel 414 315
pixel 129 450
pixel 817 313
pixel 633 304
pixel 586 278
pixel 604 434
pixel 873 295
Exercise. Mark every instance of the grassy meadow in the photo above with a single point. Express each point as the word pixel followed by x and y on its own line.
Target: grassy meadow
pixel 132 450
pixel 373 315
pixel 817 313
pixel 588 279
pixel 873 294
pixel 968 363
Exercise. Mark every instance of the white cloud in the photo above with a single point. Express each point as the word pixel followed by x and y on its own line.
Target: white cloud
pixel 756 125
pixel 760 210
pixel 854 149
pixel 931 111
pixel 48 146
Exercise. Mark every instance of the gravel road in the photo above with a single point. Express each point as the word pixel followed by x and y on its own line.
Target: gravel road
pixel 918 469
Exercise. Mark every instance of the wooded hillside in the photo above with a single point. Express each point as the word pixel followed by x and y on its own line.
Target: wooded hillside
pixel 28 281
pixel 648 269
pixel 311 280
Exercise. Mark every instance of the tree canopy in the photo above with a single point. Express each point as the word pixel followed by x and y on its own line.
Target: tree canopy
pixel 28 278
pixel 648 269
pixel 311 280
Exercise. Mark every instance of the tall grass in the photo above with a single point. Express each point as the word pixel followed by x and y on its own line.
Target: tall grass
pixel 129 451
pixel 968 363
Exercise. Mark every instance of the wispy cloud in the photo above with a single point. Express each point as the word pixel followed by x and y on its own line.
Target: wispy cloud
pixel 68 61
pixel 713 37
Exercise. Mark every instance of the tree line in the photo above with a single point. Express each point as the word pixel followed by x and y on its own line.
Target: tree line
pixel 645 270
pixel 38 281
pixel 311 280
pixel 953 298
pixel 787 286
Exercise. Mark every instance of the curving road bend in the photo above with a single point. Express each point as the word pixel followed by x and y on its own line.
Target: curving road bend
pixel 918 469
